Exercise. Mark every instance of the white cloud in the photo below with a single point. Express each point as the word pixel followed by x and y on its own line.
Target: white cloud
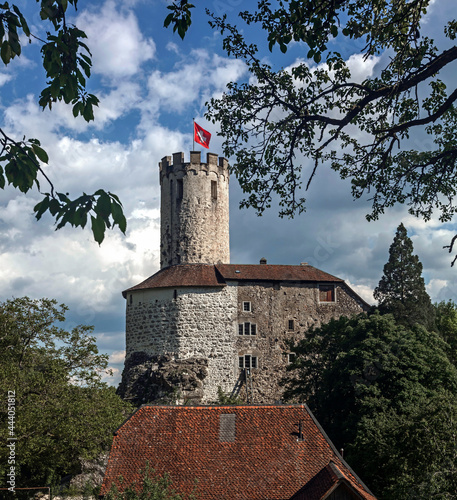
pixel 4 78
pixel 117 357
pixel 118 46
pixel 205 75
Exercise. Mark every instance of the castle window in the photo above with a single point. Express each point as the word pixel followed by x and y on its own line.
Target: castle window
pixel 291 324
pixel 131 299
pixel 214 190
pixel 175 294
pixel 247 361
pixel 291 357
pixel 247 306
pixel 326 293
pixel 247 328
pixel 180 191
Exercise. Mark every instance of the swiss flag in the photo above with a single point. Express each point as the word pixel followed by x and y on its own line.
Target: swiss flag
pixel 201 136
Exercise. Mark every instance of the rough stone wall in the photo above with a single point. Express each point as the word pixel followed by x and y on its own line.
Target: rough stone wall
pixel 272 306
pixel 197 323
pixel 194 210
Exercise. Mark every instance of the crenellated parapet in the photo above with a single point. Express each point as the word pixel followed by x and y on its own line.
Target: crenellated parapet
pixel 178 167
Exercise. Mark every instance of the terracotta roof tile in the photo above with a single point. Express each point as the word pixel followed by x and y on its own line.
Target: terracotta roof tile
pixel 267 272
pixel 265 461
pixel 210 275
pixel 181 275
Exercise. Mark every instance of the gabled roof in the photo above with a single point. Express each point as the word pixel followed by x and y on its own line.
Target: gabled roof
pixel 234 452
pixel 207 275
pixel 325 482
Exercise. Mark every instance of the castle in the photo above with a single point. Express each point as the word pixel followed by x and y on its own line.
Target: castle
pixel 201 323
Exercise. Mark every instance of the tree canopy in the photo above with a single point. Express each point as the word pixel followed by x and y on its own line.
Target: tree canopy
pixel 67 65
pixel 401 290
pixel 386 394
pixel 63 412
pixel 315 109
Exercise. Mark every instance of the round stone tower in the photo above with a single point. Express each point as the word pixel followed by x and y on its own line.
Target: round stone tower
pixel 194 210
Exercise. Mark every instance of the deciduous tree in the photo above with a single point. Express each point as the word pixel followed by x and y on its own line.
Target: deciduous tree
pixel 316 110
pixel 386 394
pixel 63 412
pixel 67 64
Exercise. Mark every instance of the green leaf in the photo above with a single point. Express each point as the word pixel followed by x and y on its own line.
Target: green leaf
pixel 98 229
pixel 103 207
pixel 168 19
pixel 41 153
pixel 118 216
pixel 40 208
pixel 5 52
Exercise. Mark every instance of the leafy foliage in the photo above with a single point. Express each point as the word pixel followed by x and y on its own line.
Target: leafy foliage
pixel 401 290
pixel 224 399
pixel 179 17
pixel 67 64
pixel 386 394
pixel 316 110
pixel 63 410
pixel 152 487
pixel 446 326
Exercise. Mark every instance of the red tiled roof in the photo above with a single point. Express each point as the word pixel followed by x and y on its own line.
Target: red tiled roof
pixel 216 275
pixel 267 272
pixel 181 275
pixel 326 480
pixel 264 461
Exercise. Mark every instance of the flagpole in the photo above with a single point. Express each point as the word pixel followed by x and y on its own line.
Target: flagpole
pixel 193 135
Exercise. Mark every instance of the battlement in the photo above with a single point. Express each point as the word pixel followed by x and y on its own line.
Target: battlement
pixel 215 164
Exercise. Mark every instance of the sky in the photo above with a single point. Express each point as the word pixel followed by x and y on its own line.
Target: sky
pixel 151 84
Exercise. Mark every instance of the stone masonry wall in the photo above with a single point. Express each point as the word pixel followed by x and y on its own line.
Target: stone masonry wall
pixel 194 210
pixel 187 323
pixel 272 306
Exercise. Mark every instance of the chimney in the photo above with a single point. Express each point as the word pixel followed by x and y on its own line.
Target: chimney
pixel 263 260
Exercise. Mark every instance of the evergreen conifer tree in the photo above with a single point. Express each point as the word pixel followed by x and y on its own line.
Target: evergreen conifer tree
pixel 401 290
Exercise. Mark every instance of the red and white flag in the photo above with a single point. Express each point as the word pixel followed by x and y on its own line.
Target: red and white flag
pixel 201 136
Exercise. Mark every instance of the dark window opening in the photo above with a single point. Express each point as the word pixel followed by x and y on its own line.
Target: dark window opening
pixel 247 329
pixel 247 361
pixel 291 324
pixel 326 293
pixel 214 190
pixel 291 357
pixel 175 294
pixel 180 191
pixel 246 306
pixel 131 299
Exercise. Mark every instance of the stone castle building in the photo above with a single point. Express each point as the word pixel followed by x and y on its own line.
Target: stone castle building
pixel 201 323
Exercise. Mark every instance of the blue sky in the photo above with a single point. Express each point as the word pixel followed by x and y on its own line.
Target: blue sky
pixel 151 84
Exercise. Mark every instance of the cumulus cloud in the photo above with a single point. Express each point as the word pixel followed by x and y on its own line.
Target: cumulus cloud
pixel 117 44
pixel 5 77
pixel 204 75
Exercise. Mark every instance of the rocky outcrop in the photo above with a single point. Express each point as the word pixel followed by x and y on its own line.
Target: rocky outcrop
pixel 92 472
pixel 162 379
